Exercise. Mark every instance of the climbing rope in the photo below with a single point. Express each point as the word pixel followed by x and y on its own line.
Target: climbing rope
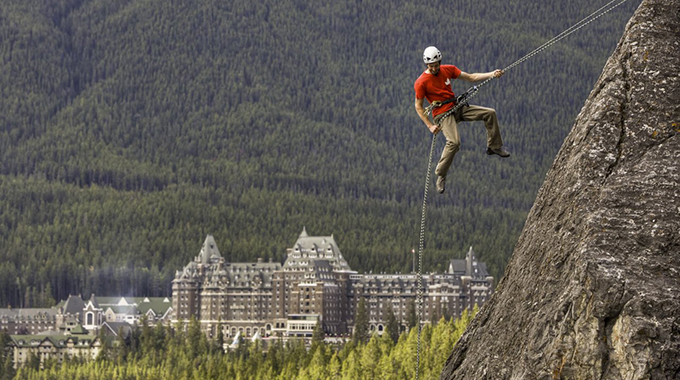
pixel 460 102
pixel 585 21
pixel 421 246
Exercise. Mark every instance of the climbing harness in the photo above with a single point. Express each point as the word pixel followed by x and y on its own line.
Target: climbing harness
pixel 460 101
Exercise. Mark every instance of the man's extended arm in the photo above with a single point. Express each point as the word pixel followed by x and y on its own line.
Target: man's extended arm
pixel 434 128
pixel 476 77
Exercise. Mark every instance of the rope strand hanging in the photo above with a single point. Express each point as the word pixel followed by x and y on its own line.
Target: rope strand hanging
pixel 421 245
pixel 461 101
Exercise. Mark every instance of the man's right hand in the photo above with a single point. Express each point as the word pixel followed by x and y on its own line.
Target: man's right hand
pixel 434 128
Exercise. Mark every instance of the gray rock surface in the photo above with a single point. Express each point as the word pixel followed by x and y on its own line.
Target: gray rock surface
pixel 593 287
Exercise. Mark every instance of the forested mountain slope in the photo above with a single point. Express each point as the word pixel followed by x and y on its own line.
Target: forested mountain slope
pixel 130 129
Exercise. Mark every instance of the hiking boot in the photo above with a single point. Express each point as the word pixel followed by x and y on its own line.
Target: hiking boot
pixel 441 181
pixel 500 151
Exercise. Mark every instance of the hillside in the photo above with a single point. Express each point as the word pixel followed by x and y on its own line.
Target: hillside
pixel 130 129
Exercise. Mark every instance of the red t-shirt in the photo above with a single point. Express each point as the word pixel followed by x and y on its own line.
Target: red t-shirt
pixel 437 87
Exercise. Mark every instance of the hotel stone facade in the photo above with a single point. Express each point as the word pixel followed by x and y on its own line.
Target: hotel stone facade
pixel 314 285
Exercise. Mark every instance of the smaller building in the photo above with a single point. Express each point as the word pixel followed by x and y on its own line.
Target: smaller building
pixel 70 315
pixel 91 314
pixel 301 325
pixel 132 309
pixel 51 346
pixel 28 321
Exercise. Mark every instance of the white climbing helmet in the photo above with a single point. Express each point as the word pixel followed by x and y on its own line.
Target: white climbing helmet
pixel 431 55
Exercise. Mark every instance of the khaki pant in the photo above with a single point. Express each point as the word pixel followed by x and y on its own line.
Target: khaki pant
pixel 449 127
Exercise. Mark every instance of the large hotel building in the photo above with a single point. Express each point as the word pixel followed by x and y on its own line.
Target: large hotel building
pixel 314 285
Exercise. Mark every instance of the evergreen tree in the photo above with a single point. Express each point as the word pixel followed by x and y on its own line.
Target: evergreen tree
pixel 159 337
pixel 445 311
pixel 219 339
pixel 391 324
pixel 334 368
pixel 122 346
pixel 318 368
pixel 275 356
pixel 370 356
pixel 441 344
pixel 387 367
pixel 255 358
pixel 351 367
pixel 243 348
pixel 196 340
pixel 33 361
pixel 4 352
pixel 5 341
pixel 134 342
pixel 46 299
pixel 318 336
pixel 104 348
pixel 361 323
pixel 411 317
pixel 146 341
pixel 8 372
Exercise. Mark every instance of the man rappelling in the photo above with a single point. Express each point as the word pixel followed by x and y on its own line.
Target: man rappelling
pixel 434 84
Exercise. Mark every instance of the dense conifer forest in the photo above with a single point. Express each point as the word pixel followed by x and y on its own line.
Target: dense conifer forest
pixel 160 353
pixel 130 129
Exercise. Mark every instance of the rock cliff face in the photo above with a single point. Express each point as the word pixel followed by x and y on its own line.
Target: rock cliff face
pixel 593 288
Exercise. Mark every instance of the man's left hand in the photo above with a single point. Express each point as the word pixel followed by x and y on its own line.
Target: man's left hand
pixel 498 73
